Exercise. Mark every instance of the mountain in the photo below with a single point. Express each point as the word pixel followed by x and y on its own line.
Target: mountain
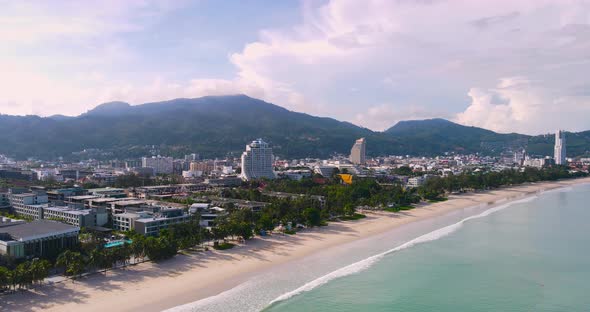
pixel 110 109
pixel 440 135
pixel 215 126
pixel 211 126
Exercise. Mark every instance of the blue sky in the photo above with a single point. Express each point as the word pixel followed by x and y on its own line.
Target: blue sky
pixel 504 65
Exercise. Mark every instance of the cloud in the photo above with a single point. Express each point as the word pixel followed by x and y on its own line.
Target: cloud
pixel 509 65
pixel 521 105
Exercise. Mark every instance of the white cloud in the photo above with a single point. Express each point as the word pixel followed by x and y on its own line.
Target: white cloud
pixel 517 62
pixel 520 105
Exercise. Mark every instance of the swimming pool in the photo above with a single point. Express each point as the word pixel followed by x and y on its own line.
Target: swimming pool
pixel 117 243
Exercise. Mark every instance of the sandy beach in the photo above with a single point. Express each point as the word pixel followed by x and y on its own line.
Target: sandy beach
pixel 194 276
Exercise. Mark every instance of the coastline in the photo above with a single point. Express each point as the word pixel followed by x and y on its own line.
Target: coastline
pixel 188 278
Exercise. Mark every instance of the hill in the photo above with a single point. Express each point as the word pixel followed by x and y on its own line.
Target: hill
pixel 211 126
pixel 440 135
pixel 216 126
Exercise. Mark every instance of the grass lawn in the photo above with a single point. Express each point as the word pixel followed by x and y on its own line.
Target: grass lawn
pixel 438 200
pixel 356 216
pixel 400 208
pixel 223 246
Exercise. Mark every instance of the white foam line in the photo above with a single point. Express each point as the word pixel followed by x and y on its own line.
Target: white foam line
pixel 368 262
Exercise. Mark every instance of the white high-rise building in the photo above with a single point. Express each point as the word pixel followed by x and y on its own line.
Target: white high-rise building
pixel 161 165
pixel 357 153
pixel 559 155
pixel 257 161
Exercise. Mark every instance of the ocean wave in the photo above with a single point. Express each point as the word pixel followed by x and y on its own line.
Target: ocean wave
pixel 368 262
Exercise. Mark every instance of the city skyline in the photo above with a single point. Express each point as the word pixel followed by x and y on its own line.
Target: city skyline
pixel 370 63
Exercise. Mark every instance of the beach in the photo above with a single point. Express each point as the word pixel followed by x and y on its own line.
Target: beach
pixel 193 276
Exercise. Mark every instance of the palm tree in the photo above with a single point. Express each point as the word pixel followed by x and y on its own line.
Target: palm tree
pixel 39 270
pixel 71 261
pixel 5 278
pixel 97 259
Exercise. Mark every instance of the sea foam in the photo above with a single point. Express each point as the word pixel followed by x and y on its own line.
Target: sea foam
pixel 219 301
pixel 368 262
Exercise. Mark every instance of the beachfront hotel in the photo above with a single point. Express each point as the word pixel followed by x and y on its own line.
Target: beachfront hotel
pixel 41 238
pixel 257 161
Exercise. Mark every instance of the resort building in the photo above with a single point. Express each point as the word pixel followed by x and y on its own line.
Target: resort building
pixel 207 214
pixel 27 204
pixel 560 152
pixel 357 153
pixel 76 217
pixel 257 161
pixel 41 238
pixel 149 223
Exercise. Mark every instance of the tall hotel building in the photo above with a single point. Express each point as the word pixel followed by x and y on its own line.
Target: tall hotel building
pixel 257 161
pixel 357 153
pixel 559 155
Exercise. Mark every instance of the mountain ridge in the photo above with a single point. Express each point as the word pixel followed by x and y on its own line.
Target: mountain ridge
pixel 217 125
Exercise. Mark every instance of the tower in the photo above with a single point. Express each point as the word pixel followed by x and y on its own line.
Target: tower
pixel 357 153
pixel 560 152
pixel 257 161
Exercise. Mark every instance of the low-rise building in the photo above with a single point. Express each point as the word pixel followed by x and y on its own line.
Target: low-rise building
pixel 207 215
pixel 149 223
pixel 77 217
pixel 59 196
pixel 42 238
pixel 27 204
pixel 416 181
pixel 110 192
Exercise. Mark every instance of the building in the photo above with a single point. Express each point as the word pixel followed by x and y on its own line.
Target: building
pixel 560 152
pixel 45 174
pixel 28 204
pixel 207 214
pixel 59 196
pixel 416 181
pixel 108 192
pixel 538 162
pixel 357 153
pixel 42 238
pixel 325 171
pixel 225 181
pixel 149 223
pixel 4 202
pixel 161 165
pixel 133 163
pixel 257 161
pixel 76 217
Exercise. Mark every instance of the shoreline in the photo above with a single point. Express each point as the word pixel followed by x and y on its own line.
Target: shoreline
pixel 189 278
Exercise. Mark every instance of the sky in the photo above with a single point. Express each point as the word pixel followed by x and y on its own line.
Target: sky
pixel 509 66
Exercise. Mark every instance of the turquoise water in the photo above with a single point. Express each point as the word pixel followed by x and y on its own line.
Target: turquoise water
pixel 116 243
pixel 531 256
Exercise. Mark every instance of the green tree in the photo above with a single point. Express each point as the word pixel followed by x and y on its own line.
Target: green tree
pixel 71 261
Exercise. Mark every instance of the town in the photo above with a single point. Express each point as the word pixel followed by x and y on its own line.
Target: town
pixel 158 205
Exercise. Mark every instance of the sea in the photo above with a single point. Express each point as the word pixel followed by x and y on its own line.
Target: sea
pixel 529 254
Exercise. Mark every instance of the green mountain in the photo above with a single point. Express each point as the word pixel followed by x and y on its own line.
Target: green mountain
pixel 211 126
pixel 440 135
pixel 216 126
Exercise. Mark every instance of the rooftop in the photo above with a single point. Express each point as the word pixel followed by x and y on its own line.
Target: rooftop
pixel 130 202
pixel 37 228
pixel 70 210
pixel 105 189
pixel 82 197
